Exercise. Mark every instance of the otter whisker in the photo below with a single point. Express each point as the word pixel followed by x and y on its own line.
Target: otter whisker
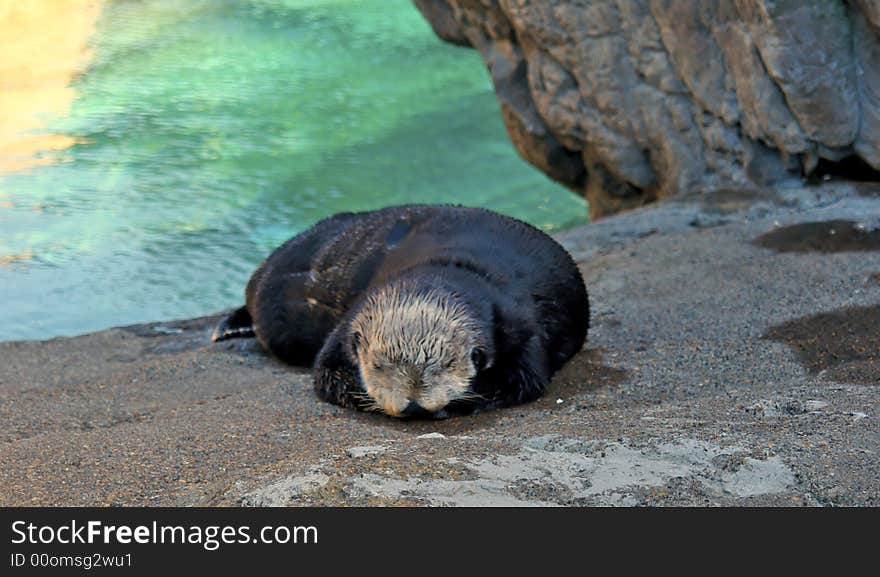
pixel 471 396
pixel 361 397
pixel 365 402
pixel 372 408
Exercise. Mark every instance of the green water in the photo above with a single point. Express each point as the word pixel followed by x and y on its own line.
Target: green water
pixel 209 132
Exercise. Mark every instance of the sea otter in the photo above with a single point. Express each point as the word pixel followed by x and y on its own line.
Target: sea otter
pixel 419 311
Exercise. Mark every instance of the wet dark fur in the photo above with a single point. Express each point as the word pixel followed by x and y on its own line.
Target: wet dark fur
pixel 521 285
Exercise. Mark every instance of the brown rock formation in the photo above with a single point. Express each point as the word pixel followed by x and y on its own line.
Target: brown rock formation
pixel 628 101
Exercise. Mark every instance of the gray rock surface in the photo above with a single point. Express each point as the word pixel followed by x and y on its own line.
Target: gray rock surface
pixel 726 365
pixel 628 101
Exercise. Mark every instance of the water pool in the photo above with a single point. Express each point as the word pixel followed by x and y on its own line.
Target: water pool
pixel 152 152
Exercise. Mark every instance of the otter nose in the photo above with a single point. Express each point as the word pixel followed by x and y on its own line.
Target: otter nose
pixel 413 409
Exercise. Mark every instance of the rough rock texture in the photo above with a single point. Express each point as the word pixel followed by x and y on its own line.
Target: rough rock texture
pixel 628 101
pixel 757 385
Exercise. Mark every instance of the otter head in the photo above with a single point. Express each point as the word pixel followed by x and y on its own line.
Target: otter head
pixel 418 349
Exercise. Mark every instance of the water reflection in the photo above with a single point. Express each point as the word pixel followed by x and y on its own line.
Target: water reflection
pixel 44 46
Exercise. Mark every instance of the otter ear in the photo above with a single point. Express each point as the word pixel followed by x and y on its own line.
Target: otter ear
pixel 479 358
pixel 357 340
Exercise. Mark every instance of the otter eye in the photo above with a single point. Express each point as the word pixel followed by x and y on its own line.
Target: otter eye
pixel 478 358
pixel 377 366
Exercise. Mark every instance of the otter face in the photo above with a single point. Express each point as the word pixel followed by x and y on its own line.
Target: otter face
pixel 417 351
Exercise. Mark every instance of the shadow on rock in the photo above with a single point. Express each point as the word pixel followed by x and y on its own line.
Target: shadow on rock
pixel 454 425
pixel 869 189
pixel 823 237
pixel 172 337
pixel 732 200
pixel 584 373
pixel 844 342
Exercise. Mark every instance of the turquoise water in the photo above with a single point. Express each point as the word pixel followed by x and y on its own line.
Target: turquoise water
pixel 209 132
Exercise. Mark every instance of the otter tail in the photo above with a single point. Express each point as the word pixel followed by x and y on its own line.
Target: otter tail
pixel 238 325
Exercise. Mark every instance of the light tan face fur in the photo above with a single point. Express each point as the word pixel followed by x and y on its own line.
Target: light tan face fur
pixel 414 348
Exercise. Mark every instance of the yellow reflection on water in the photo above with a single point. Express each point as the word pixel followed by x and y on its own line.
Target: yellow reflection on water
pixel 21 259
pixel 43 46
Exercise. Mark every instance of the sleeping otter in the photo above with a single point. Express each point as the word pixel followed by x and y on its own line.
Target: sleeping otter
pixel 419 311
